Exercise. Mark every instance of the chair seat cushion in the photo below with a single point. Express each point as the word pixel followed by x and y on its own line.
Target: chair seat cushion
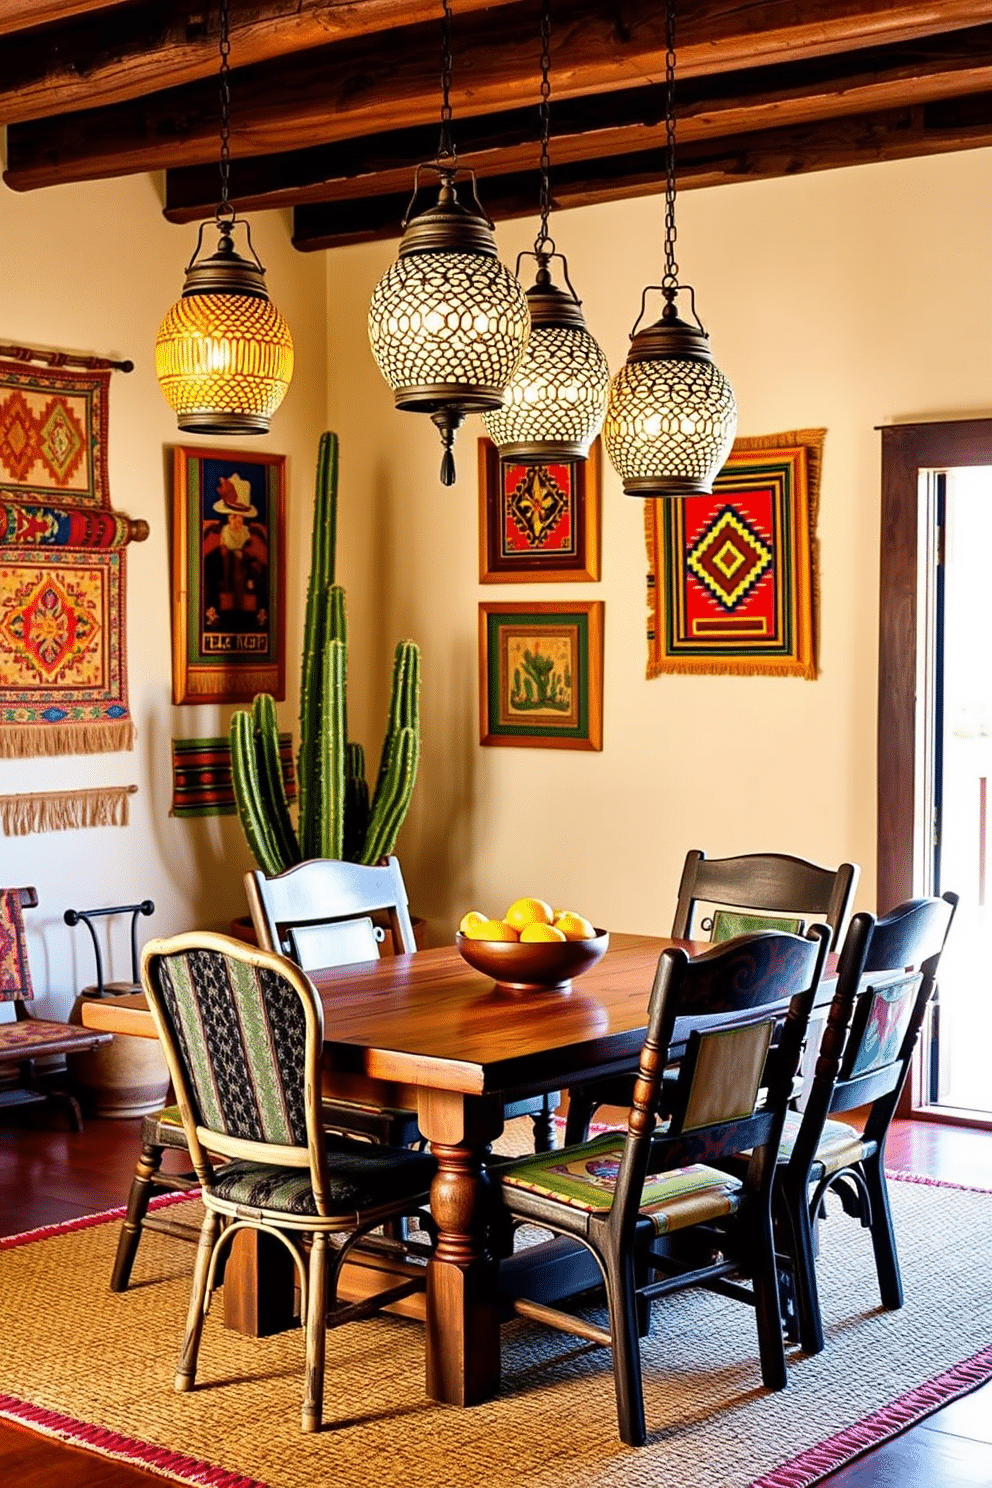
pixel 360 1176
pixel 36 1036
pixel 585 1178
pixel 840 1146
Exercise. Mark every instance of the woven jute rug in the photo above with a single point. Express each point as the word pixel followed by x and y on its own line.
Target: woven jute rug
pixel 96 1368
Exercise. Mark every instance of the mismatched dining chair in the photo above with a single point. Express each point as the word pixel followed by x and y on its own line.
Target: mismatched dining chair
pixel 318 913
pixel 623 1194
pixel 885 978
pixel 242 1031
pixel 719 898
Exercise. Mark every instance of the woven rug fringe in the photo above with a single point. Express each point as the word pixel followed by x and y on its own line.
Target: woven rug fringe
pixel 60 811
pixel 19 742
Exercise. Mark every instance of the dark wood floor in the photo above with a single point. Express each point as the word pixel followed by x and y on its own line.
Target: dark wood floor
pixel 48 1175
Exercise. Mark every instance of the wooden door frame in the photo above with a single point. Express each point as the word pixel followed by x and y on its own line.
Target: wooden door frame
pixel 908 449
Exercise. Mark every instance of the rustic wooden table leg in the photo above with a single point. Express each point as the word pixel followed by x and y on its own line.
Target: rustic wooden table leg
pixel 258 1285
pixel 462 1334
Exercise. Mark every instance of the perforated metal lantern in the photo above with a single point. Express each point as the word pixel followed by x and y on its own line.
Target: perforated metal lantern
pixel 554 403
pixel 224 353
pixel 671 416
pixel 448 323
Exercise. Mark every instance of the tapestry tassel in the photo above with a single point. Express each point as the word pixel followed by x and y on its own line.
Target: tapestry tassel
pixel 60 811
pixel 18 742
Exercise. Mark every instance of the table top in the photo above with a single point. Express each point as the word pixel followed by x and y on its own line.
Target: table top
pixel 429 1019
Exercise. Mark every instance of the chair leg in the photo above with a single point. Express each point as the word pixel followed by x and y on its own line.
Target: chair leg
pixel 883 1238
pixel 626 1350
pixel 580 1112
pixel 146 1169
pixel 767 1314
pixel 313 1392
pixel 799 1227
pixel 186 1368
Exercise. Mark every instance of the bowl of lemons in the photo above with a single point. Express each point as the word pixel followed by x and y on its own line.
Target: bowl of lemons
pixel 533 948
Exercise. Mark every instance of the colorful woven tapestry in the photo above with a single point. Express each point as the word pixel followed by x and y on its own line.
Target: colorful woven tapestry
pixel 24 526
pixel 53 435
pixel 15 977
pixel 201 776
pixel 732 577
pixel 63 684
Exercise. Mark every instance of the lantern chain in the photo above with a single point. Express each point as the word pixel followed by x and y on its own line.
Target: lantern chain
pixel 446 151
pixel 544 245
pixel 224 208
pixel 671 277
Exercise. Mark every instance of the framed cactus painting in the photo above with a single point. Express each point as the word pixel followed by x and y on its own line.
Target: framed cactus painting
pixel 228 584
pixel 538 524
pixel 541 674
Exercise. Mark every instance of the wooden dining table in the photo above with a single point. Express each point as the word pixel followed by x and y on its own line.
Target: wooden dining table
pixel 428 1032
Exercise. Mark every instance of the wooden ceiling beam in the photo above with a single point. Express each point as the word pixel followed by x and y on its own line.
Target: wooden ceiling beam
pixel 606 124
pixel 332 92
pixel 88 61
pixel 18 15
pixel 893 134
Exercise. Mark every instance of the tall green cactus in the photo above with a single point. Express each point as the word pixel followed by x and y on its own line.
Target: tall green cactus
pixel 336 817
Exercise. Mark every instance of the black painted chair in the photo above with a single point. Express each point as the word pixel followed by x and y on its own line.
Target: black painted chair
pixel 885 979
pixel 623 1195
pixel 719 898
pixel 243 1035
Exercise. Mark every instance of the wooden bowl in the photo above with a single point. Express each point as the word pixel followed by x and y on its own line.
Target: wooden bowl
pixel 533 966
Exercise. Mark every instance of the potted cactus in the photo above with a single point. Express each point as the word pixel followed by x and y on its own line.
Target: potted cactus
pixel 337 816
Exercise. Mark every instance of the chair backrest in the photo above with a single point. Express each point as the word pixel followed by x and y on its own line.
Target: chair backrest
pixel 15 973
pixel 733 1085
pixel 318 912
pixel 768 884
pixel 243 1032
pixel 885 978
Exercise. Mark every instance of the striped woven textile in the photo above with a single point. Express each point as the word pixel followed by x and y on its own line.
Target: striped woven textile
pixel 201 776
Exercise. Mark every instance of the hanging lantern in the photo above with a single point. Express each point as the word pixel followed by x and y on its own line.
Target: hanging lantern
pixel 554 403
pixel 448 323
pixel 223 353
pixel 671 415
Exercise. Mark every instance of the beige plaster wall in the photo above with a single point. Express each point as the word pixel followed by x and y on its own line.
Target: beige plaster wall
pixel 847 299
pixel 92 269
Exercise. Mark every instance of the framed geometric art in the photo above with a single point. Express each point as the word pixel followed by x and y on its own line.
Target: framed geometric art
pixel 541 674
pixel 732 577
pixel 538 524
pixel 228 584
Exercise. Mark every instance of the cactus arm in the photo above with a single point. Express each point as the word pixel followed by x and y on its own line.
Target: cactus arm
pixel 393 799
pixel 270 777
pixel 356 803
pixel 404 702
pixel 322 562
pixel 248 795
pixel 333 750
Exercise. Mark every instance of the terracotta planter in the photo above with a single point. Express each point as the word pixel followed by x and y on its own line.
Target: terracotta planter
pixel 127 1077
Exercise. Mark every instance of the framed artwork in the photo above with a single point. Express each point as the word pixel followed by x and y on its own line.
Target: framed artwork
pixel 732 577
pixel 228 576
pixel 538 524
pixel 541 674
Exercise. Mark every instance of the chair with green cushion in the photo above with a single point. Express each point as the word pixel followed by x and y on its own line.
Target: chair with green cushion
pixel 885 978
pixel 623 1195
pixel 243 1034
pixel 719 898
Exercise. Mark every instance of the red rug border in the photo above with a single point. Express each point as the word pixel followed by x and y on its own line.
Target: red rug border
pixel 804 1471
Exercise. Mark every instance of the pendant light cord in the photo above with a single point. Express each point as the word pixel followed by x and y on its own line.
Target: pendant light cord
pixel 446 152
pixel 544 244
pixel 224 208
pixel 671 278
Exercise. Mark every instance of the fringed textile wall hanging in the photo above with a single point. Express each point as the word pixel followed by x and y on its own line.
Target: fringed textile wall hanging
pixel 63 674
pixel 60 811
pixel 201 776
pixel 732 577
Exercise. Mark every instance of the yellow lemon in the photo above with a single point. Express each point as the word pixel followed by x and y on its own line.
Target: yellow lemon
pixel 541 932
pixel 528 912
pixel 474 917
pixel 574 926
pixel 491 930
